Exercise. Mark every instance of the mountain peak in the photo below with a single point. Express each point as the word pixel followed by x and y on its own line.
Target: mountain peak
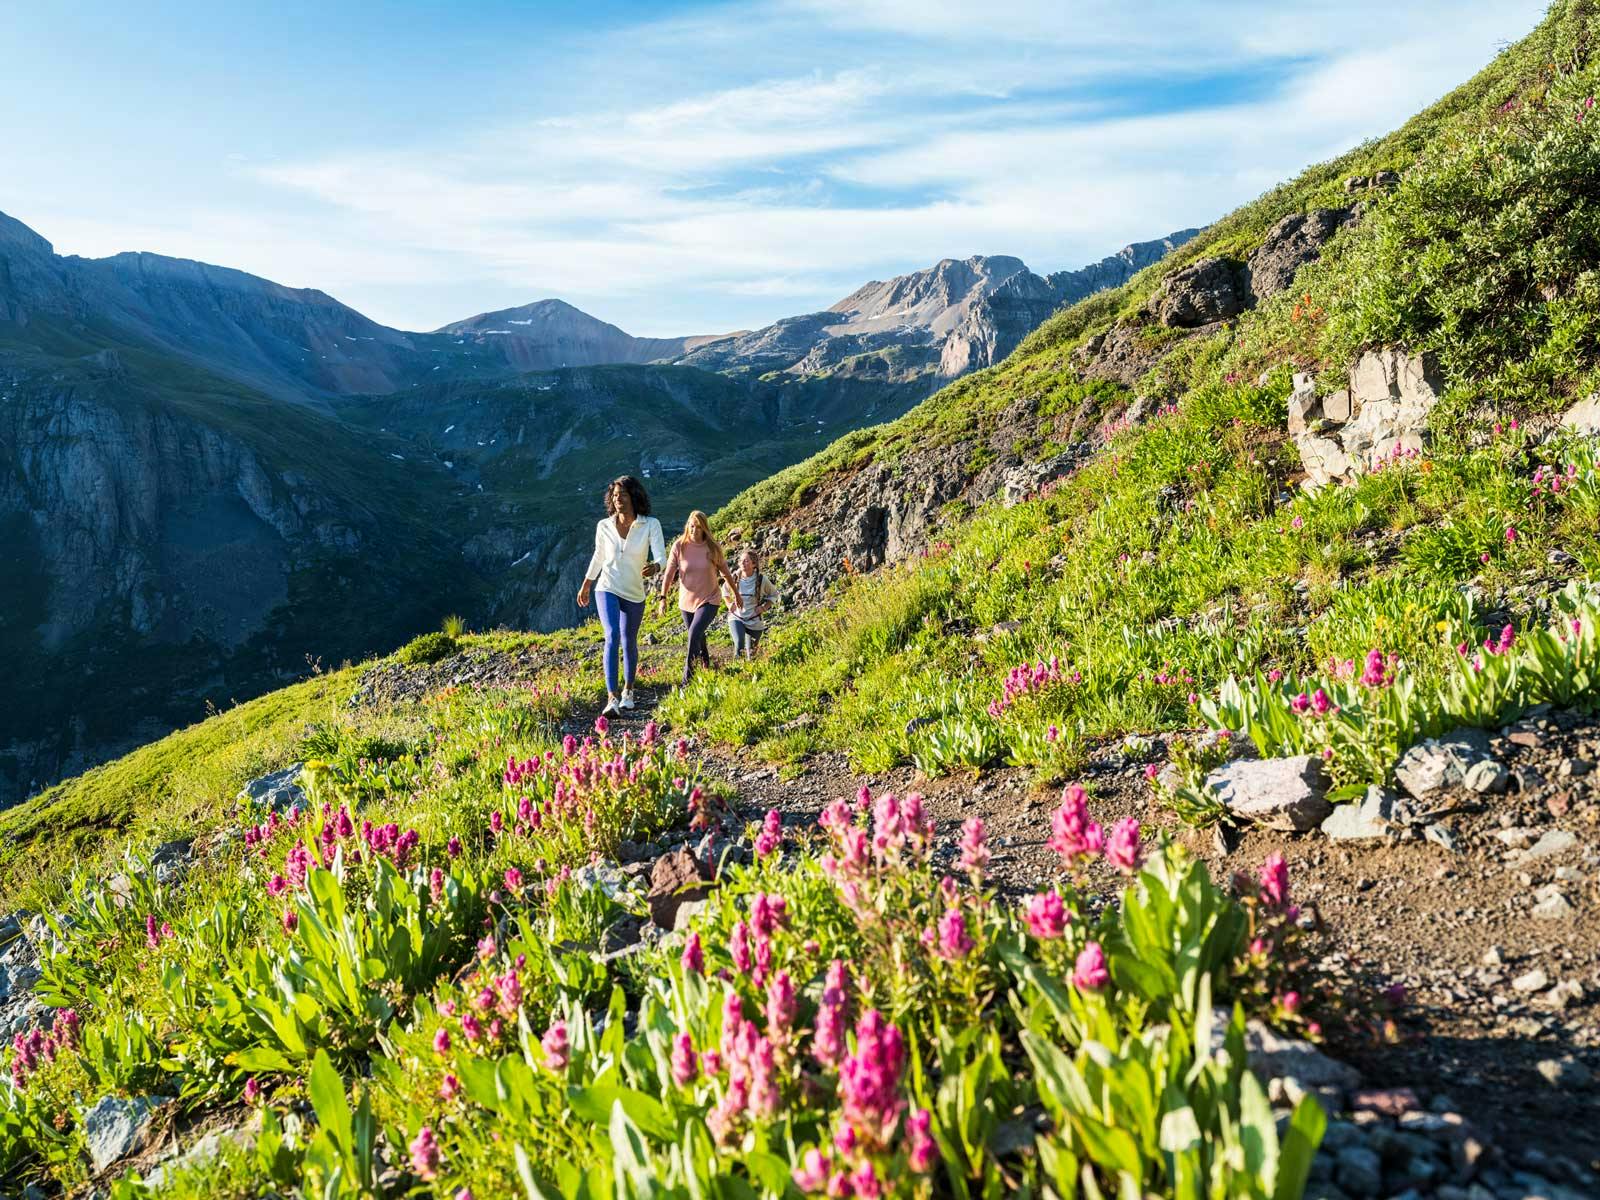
pixel 14 233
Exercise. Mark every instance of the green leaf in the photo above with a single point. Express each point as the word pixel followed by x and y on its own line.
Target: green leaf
pixel 1258 1131
pixel 597 1102
pixel 328 1099
pixel 1300 1142
pixel 261 1058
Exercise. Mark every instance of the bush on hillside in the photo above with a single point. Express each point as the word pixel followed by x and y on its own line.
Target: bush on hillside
pixel 429 648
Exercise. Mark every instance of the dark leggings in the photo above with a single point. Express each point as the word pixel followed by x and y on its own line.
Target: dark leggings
pixel 620 619
pixel 698 623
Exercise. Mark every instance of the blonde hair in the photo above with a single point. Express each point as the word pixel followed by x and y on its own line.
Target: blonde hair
pixel 699 521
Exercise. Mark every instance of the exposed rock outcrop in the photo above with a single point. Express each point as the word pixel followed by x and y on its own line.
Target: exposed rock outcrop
pixel 1383 412
pixel 1206 291
pixel 1294 241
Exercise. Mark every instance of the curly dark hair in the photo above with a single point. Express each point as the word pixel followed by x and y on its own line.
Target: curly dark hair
pixel 636 493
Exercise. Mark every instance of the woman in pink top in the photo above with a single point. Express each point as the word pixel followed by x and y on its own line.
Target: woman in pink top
pixel 697 565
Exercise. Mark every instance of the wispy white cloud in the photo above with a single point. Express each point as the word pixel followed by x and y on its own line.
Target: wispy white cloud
pixel 716 185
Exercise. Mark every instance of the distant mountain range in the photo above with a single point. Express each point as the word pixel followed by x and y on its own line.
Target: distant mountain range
pixel 208 479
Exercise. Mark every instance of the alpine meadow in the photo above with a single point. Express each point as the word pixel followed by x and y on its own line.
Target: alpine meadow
pixel 1171 767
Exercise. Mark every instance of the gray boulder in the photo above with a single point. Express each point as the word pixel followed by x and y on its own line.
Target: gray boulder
pixel 1272 1056
pixel 1373 818
pixel 1207 290
pixel 1294 241
pixel 1288 794
pixel 278 792
pixel 1441 762
pixel 116 1126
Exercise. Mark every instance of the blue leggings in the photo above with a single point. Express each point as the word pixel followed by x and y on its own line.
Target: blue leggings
pixel 698 623
pixel 621 620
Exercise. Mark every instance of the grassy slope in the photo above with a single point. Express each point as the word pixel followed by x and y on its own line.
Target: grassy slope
pixel 1204 588
pixel 1175 556
pixel 974 401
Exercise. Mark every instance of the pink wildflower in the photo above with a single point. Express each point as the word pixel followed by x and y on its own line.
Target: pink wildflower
pixel 812 1173
pixel 685 1066
pixel 425 1154
pixel 1123 850
pixel 832 1015
pixel 252 1091
pixel 1275 881
pixel 693 959
pixel 974 848
pixel 869 1080
pixel 739 947
pixel 923 1151
pixel 1090 972
pixel 771 835
pixel 1046 915
pixel 1073 835
pixel 555 1046
pixel 953 940
pixel 441 1041
pixel 781 1006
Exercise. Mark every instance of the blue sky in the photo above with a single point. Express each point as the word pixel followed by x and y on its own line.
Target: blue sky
pixel 685 168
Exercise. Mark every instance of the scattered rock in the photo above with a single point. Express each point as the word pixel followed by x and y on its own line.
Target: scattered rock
pixel 674 879
pixel 1565 1072
pixel 1565 994
pixel 1372 818
pixel 1391 1102
pixel 1390 396
pixel 1552 905
pixel 115 1127
pixel 1273 1056
pixel 1487 777
pixel 1584 416
pixel 1440 762
pixel 1288 794
pixel 1533 981
pixel 1359 1171
pixel 1440 835
pixel 277 792
pixel 1556 841
pixel 1294 241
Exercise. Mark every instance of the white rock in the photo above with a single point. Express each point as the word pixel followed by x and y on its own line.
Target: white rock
pixel 1584 416
pixel 1288 794
pixel 1372 818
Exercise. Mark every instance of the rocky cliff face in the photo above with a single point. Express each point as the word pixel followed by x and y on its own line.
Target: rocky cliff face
pixel 996 323
pixel 923 329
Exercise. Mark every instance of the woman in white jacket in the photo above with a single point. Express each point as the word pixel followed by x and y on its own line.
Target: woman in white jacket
pixel 617 570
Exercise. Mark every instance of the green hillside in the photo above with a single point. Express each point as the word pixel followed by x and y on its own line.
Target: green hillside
pixel 437 972
pixel 1186 549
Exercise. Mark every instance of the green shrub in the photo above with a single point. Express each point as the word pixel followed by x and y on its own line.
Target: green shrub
pixel 429 648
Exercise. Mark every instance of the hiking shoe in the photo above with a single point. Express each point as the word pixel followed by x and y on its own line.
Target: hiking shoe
pixel 627 700
pixel 611 709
